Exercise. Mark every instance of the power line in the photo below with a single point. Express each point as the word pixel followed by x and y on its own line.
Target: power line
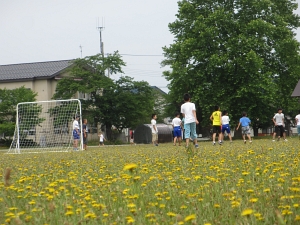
pixel 139 55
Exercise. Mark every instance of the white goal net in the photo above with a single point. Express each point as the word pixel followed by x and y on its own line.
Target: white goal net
pixel 46 126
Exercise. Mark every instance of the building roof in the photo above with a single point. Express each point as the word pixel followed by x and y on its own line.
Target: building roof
pixel 29 71
pixel 296 92
pixel 159 90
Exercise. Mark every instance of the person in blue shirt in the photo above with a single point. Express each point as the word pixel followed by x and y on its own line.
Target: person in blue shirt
pixel 245 123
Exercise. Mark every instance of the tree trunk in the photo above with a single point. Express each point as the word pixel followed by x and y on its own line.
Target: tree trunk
pixel 108 132
pixel 255 131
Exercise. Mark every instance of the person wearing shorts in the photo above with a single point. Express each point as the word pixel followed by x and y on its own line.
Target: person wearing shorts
pixel 76 133
pixel 176 124
pixel 225 125
pixel 188 110
pixel 245 123
pixel 216 118
pixel 101 139
pixel 278 121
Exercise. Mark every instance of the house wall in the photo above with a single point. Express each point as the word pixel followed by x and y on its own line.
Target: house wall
pixel 45 88
pixel 14 85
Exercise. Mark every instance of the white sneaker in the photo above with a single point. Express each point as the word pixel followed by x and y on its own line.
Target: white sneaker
pixel 285 140
pixel 273 140
pixel 245 141
pixel 250 142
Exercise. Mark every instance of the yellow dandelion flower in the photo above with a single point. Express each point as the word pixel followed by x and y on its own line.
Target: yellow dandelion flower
pixel 217 206
pixel 267 190
pixel 10 214
pixel 13 208
pixel 297 218
pixel 257 214
pixel 69 213
pixel 90 215
pixel 130 166
pixel 162 206
pixel 28 218
pixel 190 217
pixel 235 204
pixel 171 214
pixel 247 212
pixel 32 202
pixel 21 213
pixel 286 212
pixel 131 205
pixel 69 207
pixel 253 200
pixel 129 219
pixel 296 205
pixel 150 215
pixel 78 211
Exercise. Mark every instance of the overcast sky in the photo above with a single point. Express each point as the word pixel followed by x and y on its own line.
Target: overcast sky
pixel 37 31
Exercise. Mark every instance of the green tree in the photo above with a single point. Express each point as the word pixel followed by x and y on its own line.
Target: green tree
pixel 241 55
pixel 123 103
pixel 8 103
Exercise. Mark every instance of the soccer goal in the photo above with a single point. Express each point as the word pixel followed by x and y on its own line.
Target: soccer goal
pixel 46 126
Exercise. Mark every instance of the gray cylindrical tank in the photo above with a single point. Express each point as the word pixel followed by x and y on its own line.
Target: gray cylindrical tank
pixel 143 133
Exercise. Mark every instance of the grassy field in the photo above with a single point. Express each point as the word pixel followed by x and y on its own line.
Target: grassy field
pixel 236 183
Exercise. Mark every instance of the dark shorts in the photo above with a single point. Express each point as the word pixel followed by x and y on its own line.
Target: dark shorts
pixel 177 131
pixel 217 129
pixel 75 135
pixel 226 128
pixel 279 130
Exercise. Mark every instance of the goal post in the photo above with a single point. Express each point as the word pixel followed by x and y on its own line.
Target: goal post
pixel 46 126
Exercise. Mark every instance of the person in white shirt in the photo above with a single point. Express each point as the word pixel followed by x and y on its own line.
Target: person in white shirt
pixel 176 124
pixel 225 125
pixel 76 133
pixel 278 120
pixel 298 123
pixel 188 111
pixel 101 139
pixel 154 130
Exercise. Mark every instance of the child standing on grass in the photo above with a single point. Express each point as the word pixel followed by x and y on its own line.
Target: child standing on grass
pixel 245 122
pixel 176 124
pixel 278 121
pixel 225 125
pixel 154 130
pixel 216 118
pixel 188 111
pixel 101 139
pixel 76 133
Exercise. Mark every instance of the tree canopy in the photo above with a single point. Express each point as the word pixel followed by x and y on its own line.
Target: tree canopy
pixel 240 55
pixel 123 103
pixel 8 103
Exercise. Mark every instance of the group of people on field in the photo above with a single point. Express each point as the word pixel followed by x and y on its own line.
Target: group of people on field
pixel 220 125
pixel 76 134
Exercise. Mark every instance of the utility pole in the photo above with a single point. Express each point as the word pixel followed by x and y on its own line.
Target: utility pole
pixel 101 43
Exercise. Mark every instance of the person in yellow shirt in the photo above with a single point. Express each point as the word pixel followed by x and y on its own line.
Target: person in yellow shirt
pixel 216 118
